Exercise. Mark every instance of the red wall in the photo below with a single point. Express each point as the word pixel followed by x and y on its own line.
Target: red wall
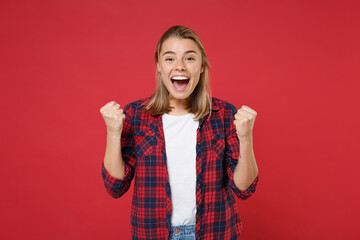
pixel 295 62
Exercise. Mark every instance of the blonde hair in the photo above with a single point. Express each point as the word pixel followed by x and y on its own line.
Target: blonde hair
pixel 199 102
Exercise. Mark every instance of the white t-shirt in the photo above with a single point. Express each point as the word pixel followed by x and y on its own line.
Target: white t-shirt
pixel 180 143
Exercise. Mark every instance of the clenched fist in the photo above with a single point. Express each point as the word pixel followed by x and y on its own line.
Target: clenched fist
pixel 113 116
pixel 244 121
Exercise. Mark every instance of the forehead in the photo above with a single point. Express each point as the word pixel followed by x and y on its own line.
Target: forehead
pixel 179 45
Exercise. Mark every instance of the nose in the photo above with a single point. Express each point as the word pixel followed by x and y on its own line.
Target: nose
pixel 180 66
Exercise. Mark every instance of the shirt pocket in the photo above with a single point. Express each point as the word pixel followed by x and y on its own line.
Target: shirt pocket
pixel 144 142
pixel 218 146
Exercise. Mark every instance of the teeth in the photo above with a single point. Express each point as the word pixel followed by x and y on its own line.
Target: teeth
pixel 180 78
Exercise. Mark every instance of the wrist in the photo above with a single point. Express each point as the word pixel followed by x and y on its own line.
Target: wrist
pixel 245 139
pixel 113 134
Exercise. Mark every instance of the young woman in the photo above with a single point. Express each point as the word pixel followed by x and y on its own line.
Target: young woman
pixel 190 153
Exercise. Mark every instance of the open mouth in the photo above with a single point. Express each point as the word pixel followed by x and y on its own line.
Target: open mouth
pixel 180 83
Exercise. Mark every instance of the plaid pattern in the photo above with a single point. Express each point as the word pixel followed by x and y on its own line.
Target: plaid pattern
pixel 217 153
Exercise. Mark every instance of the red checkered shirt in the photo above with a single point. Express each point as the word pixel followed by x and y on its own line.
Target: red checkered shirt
pixel 217 153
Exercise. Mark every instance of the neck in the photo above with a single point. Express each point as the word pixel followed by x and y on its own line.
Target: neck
pixel 179 106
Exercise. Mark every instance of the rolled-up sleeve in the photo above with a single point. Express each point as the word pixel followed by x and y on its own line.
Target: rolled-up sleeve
pixel 232 153
pixel 114 186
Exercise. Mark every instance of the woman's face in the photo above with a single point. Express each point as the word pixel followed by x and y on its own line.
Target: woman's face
pixel 180 66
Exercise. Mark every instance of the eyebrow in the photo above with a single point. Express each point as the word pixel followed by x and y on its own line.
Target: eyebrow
pixel 171 52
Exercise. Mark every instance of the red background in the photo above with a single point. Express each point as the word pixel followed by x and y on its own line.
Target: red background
pixel 295 62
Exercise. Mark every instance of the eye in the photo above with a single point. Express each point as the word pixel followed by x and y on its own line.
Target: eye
pixel 169 59
pixel 190 59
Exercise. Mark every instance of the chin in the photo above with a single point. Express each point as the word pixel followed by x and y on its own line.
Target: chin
pixel 180 96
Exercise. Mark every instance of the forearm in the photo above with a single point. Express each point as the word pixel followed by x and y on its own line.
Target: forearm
pixel 113 160
pixel 246 169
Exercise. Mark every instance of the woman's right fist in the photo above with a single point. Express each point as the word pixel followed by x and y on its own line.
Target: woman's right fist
pixel 113 116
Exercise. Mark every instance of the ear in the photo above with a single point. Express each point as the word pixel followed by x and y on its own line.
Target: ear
pixel 158 67
pixel 202 69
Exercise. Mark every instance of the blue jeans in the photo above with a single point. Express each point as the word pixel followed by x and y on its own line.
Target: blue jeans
pixel 182 232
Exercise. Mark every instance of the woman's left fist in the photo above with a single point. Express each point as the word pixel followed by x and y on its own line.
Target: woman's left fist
pixel 244 121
